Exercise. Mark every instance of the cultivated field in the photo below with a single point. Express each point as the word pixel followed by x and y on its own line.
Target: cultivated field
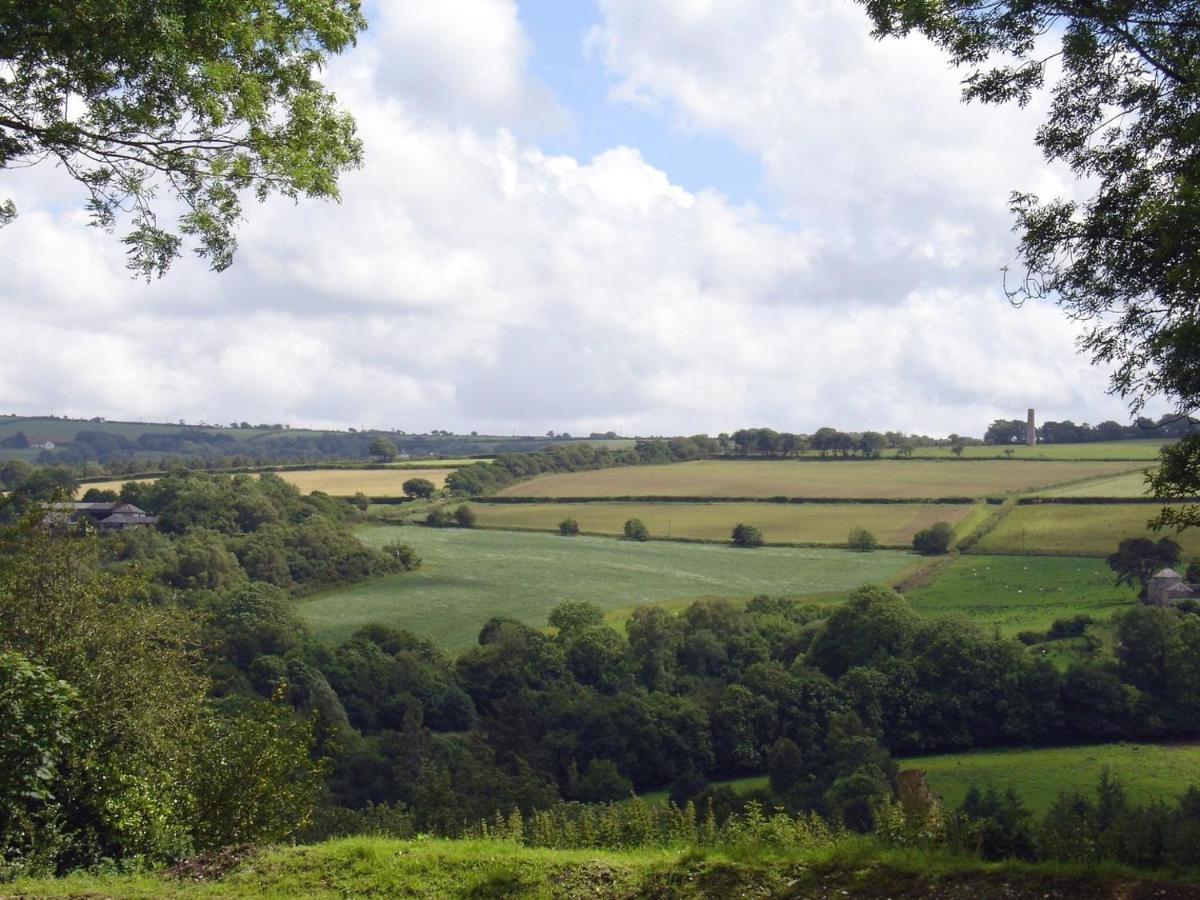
pixel 1115 450
pixel 798 523
pixel 1148 771
pixel 1021 593
pixel 1077 530
pixel 337 482
pixel 468 576
pixel 850 479
pixel 1132 484
pixel 372 482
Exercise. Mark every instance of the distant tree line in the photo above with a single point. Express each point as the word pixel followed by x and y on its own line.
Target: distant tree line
pixel 485 478
pixel 1012 431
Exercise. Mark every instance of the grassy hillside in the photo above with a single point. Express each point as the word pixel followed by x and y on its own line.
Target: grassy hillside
pixel 495 870
pixel 468 576
pixel 851 479
pixel 825 523
pixel 1019 593
pixel 1071 530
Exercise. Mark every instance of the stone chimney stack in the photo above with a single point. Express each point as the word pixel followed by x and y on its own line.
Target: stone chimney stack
pixel 1030 431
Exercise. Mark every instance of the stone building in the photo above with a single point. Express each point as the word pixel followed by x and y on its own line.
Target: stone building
pixel 1167 587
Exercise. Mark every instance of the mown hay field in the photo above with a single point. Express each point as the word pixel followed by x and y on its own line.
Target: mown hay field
pixel 337 482
pixel 1148 771
pixel 850 479
pixel 797 523
pixel 468 576
pixel 1077 529
pixel 1021 593
pixel 372 482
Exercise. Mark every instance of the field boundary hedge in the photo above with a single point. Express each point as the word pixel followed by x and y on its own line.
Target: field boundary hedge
pixel 653 498
pixel 1104 501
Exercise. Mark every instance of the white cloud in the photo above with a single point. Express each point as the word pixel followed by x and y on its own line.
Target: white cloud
pixel 469 280
pixel 465 61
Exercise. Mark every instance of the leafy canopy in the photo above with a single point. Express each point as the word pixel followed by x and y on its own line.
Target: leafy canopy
pixel 176 107
pixel 1125 116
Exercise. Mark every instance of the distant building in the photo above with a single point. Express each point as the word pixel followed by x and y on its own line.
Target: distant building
pixel 104 516
pixel 1167 588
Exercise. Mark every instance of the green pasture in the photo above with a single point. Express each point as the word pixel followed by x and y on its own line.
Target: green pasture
pixel 1021 593
pixel 1077 529
pixel 848 478
pixel 795 523
pixel 1148 771
pixel 1100 450
pixel 1131 484
pixel 469 576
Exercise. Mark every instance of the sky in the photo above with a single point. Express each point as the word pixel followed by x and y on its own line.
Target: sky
pixel 648 216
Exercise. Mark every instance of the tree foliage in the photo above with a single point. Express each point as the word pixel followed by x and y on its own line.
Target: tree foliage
pixel 200 101
pixel 1124 115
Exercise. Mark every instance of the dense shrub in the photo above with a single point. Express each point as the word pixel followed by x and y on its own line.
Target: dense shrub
pixel 464 516
pixel 747 536
pixel 862 540
pixel 568 527
pixel 636 530
pixel 935 539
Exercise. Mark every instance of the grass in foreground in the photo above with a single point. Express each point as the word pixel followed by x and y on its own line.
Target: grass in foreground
pixel 468 576
pixel 1076 530
pixel 1021 593
pixel 798 523
pixel 851 479
pixel 852 866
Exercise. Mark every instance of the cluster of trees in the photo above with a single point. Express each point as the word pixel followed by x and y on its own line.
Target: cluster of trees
pixel 1081 828
pixel 112 745
pixel 1012 431
pixel 826 441
pixel 486 478
pixel 818 699
pixel 218 532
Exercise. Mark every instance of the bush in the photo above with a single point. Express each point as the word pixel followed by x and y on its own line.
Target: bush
pixel 403 554
pixel 862 540
pixel 935 539
pixel 438 518
pixel 636 530
pixel 464 516
pixel 568 527
pixel 747 536
pixel 419 488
